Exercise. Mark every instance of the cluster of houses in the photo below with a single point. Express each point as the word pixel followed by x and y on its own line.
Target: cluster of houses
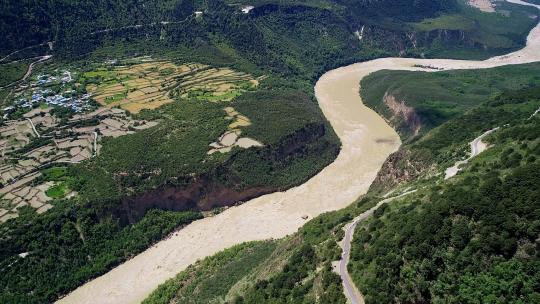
pixel 41 95
pixel 64 77
pixel 76 104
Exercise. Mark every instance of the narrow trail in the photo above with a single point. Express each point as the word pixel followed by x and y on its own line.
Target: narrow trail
pixel 367 140
pixel 477 147
pixel 95 144
pixel 26 48
pixel 137 26
pixel 33 127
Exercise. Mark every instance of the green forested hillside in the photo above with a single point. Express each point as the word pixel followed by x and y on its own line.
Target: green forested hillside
pixel 473 238
pixel 68 245
pixel 439 96
pixel 290 44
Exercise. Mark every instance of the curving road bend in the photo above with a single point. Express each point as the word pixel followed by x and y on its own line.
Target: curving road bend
pixel 351 292
pixel 367 140
pixel 477 147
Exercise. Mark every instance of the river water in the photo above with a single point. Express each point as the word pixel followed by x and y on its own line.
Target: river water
pixel 367 140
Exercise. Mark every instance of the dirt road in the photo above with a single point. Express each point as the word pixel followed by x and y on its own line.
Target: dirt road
pixel 477 147
pixel 28 71
pixel 353 294
pixel 366 142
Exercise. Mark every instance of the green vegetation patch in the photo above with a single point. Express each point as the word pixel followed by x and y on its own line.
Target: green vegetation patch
pixel 438 96
pixel 116 97
pixel 54 173
pixel 57 191
pixel 276 113
pixel 211 279
pixel 445 22
pixel 11 72
pixel 100 73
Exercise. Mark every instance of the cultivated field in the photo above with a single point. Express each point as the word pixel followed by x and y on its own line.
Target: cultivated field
pixel 231 138
pixel 26 151
pixel 36 135
pixel 149 85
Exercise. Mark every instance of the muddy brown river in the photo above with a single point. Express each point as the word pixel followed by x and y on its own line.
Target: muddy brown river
pixel 367 140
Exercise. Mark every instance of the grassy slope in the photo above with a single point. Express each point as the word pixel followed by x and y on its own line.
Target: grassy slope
pixel 439 96
pixel 11 72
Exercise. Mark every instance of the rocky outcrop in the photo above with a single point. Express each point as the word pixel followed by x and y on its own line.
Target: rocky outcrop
pixel 225 186
pixel 201 194
pixel 401 166
pixel 402 114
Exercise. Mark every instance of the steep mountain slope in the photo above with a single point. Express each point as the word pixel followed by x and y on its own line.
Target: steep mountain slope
pixel 408 27
pixel 448 97
pixel 474 236
pixel 290 45
pixel 414 249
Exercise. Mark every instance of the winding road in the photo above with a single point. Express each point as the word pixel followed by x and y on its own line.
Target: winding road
pixel 367 140
pixel 477 147
pixel 353 294
pixel 26 75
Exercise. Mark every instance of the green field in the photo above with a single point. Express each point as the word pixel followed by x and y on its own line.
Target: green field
pixel 57 191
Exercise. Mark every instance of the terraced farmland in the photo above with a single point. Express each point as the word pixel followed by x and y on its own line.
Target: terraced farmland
pixel 39 140
pixel 148 85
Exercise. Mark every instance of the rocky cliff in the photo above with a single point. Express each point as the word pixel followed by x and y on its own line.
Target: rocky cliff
pixel 227 185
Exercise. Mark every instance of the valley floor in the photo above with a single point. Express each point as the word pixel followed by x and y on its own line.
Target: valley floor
pixel 366 139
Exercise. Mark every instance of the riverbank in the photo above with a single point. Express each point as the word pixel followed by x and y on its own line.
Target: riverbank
pixel 367 140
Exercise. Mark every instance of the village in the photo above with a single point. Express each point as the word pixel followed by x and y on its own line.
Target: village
pixel 37 135
pixel 40 93
pixel 59 117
